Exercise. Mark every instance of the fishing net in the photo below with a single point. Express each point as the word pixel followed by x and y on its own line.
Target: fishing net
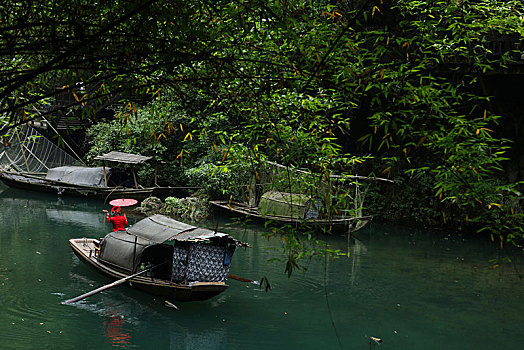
pixel 26 150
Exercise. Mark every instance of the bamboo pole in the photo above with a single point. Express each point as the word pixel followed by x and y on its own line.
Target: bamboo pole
pixel 34 155
pixel 105 175
pixel 134 176
pixel 241 279
pixel 98 290
pixel 22 149
pixel 107 286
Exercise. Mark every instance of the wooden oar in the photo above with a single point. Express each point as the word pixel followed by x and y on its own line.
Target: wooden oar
pixel 241 279
pixel 107 286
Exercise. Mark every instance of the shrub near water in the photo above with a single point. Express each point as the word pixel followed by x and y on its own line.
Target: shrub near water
pixel 194 208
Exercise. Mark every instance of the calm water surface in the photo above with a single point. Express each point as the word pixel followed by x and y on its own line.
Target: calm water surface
pixel 411 288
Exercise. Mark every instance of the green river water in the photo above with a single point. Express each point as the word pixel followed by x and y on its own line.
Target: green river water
pixel 411 288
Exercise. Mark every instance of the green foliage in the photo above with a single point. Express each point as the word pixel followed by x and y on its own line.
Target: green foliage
pixel 173 201
pixel 457 135
pixel 220 180
pixel 391 81
pixel 391 88
pixel 161 130
pixel 326 89
pixel 113 136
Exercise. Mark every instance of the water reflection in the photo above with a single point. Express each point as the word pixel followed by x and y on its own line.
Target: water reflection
pixel 117 335
pixel 74 212
pixel 131 319
pixel 46 199
pixel 411 288
pixel 76 217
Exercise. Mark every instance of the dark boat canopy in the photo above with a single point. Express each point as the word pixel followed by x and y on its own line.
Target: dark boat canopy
pixel 78 175
pixel 121 249
pixel 124 248
pixel 160 228
pixel 121 157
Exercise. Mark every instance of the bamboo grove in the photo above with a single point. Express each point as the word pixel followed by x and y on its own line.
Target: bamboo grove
pixel 397 89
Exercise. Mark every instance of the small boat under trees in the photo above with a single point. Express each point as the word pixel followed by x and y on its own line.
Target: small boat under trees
pixel 76 187
pixel 281 195
pixel 183 262
pixel 92 182
pixel 32 162
pixel 302 213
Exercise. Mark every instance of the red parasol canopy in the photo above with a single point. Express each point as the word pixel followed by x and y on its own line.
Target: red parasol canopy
pixel 123 202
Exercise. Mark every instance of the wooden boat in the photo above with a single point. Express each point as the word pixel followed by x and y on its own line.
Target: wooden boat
pixel 32 182
pixel 92 182
pixel 339 224
pixel 190 263
pixel 275 196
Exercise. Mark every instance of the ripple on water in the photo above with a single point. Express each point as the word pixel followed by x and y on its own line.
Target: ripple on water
pixel 17 304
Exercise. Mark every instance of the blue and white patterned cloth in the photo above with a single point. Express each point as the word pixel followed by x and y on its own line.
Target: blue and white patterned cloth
pixel 206 262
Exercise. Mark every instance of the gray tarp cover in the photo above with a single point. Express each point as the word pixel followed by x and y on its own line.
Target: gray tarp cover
pixel 78 175
pixel 160 228
pixel 118 248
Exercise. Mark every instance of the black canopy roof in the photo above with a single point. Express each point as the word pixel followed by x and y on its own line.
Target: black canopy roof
pixel 122 247
pixel 160 228
pixel 121 157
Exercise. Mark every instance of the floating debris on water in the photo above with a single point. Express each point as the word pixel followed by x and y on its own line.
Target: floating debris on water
pixel 375 340
pixel 170 304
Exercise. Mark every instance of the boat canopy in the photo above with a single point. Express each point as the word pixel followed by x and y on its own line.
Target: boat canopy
pixel 77 175
pixel 125 248
pixel 121 249
pixel 121 157
pixel 293 205
pixel 160 228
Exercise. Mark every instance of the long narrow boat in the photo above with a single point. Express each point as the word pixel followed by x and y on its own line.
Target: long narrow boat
pixel 29 161
pixel 191 263
pixel 27 181
pixel 336 224
pixel 92 182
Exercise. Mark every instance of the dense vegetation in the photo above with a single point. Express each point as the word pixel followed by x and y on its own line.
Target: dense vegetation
pixel 395 89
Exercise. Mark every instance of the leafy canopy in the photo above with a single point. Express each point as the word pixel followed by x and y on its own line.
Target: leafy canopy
pixel 390 87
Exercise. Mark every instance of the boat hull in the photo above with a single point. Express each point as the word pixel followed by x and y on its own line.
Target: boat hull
pixel 85 250
pixel 42 185
pixel 337 225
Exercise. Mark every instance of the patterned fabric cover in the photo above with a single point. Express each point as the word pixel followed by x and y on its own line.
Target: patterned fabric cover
pixel 179 262
pixel 207 263
pixel 313 209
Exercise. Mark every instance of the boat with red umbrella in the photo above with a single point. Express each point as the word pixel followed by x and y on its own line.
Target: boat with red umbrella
pixel 163 257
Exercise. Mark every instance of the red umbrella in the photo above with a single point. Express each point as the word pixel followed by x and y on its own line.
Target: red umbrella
pixel 123 202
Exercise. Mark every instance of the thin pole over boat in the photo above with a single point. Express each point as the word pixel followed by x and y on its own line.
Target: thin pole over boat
pixel 107 286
